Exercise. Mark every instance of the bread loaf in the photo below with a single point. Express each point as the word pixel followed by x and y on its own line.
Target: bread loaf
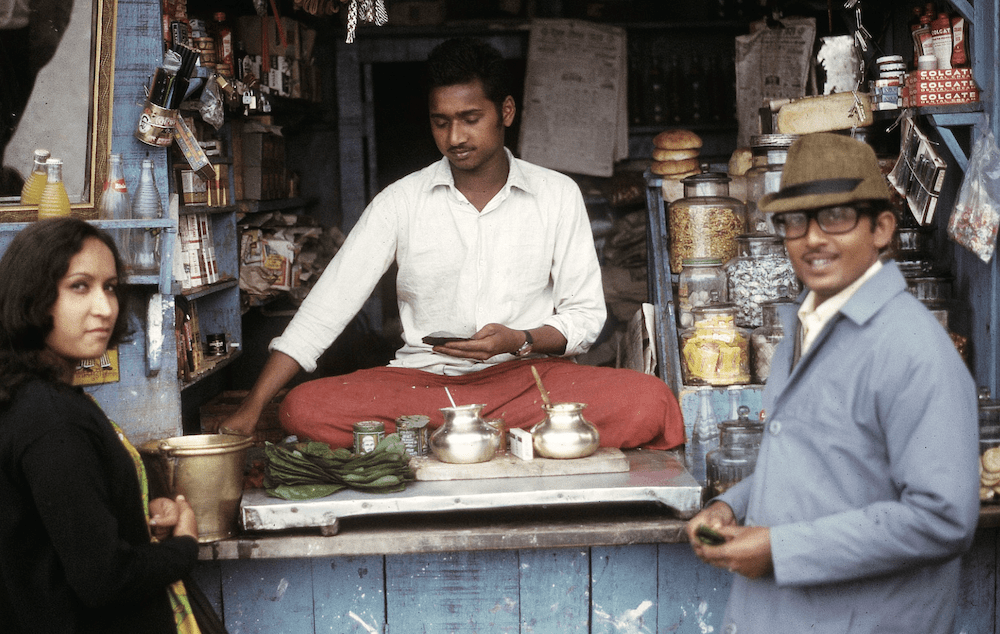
pixel 681 176
pixel 825 113
pixel 659 154
pixel 740 161
pixel 677 140
pixel 666 168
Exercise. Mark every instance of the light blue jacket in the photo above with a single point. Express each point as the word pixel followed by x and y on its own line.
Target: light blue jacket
pixel 867 474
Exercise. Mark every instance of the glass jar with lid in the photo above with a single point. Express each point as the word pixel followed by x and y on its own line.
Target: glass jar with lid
pixel 736 455
pixel 764 340
pixel 705 222
pixel 701 282
pixel 764 177
pixel 714 350
pixel 760 272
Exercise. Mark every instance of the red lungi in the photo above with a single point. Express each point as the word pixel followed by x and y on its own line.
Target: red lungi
pixel 629 408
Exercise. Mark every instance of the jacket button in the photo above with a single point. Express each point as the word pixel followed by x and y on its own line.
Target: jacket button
pixel 775 427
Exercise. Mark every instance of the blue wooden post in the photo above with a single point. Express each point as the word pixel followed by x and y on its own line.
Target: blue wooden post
pixel 623 589
pixel 453 592
pixel 555 590
pixel 692 595
pixel 349 594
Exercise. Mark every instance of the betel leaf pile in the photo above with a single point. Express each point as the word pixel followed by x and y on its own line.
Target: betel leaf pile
pixel 306 470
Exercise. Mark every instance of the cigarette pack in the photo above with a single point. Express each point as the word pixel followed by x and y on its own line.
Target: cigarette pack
pixel 520 443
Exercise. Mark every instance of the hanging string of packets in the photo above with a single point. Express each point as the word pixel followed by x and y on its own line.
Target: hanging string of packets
pixel 862 38
pixel 372 11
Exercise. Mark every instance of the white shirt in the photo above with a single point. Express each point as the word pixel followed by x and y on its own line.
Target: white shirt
pixel 527 260
pixel 813 317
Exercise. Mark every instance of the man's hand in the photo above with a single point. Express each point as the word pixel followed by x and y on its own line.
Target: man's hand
pixel 746 551
pixel 491 340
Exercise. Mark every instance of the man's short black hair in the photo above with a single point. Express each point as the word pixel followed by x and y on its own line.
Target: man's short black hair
pixel 465 59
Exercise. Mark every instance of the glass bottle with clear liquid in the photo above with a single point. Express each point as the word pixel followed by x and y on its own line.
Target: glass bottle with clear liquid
pixel 54 202
pixel 704 437
pixel 114 203
pixel 144 244
pixel 34 185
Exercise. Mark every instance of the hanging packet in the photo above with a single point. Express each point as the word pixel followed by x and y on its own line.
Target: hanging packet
pixel 976 216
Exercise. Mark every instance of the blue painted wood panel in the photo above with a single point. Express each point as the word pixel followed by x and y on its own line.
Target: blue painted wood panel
pixel 555 590
pixel 623 589
pixel 349 594
pixel 453 592
pixel 691 594
pixel 267 596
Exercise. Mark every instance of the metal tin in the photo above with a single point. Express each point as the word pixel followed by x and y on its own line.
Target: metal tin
pixel 413 432
pixel 367 434
pixel 215 344
pixel 156 125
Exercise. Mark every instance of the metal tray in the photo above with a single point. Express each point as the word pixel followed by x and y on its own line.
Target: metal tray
pixel 653 476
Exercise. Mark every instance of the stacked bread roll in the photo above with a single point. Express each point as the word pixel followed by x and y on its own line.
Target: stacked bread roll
pixel 675 154
pixel 989 474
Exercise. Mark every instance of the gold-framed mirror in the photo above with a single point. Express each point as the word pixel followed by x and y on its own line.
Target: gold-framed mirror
pixel 70 101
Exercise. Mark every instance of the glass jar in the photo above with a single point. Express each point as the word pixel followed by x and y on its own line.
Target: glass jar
pixel 736 455
pixel 705 222
pixel 760 272
pixel 715 351
pixel 769 154
pixel 764 340
pixel 701 282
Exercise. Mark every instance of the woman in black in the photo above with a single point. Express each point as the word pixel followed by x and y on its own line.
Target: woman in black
pixel 82 549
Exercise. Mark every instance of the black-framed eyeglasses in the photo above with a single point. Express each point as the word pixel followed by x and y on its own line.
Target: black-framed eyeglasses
pixel 795 224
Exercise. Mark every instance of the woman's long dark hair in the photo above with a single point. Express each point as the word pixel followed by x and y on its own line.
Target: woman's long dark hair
pixel 30 271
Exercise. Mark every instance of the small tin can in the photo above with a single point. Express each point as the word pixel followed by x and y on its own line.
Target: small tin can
pixel 216 344
pixel 413 432
pixel 367 434
pixel 499 423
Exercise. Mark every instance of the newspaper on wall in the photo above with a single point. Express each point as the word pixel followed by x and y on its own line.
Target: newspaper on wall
pixel 575 107
pixel 772 63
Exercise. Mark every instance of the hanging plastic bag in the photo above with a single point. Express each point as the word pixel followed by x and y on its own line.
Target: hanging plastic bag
pixel 212 106
pixel 976 216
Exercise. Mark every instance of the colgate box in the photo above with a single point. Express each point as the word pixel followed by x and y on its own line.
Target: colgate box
pixel 947 86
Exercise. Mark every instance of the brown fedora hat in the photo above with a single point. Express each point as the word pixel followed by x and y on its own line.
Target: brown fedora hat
pixel 826 169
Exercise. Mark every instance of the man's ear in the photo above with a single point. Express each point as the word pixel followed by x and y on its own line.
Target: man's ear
pixel 883 226
pixel 507 111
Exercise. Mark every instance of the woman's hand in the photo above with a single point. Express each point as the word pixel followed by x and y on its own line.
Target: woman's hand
pixel 172 518
pixel 746 549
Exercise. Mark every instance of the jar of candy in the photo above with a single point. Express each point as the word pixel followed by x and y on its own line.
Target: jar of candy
pixel 769 154
pixel 714 350
pixel 701 282
pixel 736 455
pixel 760 272
pixel 764 340
pixel 705 222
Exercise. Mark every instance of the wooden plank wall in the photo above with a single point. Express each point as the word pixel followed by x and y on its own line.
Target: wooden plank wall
pixel 635 589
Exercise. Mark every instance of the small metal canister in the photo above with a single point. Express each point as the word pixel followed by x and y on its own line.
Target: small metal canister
pixel 412 430
pixel 367 434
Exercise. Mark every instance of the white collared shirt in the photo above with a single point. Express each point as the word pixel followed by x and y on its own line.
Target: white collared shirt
pixel 813 317
pixel 526 260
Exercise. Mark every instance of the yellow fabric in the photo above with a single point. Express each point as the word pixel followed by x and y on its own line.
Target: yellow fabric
pixel 183 614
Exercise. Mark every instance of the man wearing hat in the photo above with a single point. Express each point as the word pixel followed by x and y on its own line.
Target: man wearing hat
pixel 865 491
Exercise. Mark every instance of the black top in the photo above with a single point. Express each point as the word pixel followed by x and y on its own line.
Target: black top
pixel 75 552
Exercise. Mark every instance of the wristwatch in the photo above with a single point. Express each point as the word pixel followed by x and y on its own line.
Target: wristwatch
pixel 525 348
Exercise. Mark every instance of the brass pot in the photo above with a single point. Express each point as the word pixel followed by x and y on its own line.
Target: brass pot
pixel 465 438
pixel 207 469
pixel 565 433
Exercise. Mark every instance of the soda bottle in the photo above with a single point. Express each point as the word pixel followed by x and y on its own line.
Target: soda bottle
pixel 54 202
pixel 114 203
pixel 34 185
pixel 145 205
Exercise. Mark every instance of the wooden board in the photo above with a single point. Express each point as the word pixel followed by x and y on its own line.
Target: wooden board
pixel 604 460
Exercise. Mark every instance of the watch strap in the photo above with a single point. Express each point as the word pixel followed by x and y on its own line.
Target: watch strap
pixel 526 346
